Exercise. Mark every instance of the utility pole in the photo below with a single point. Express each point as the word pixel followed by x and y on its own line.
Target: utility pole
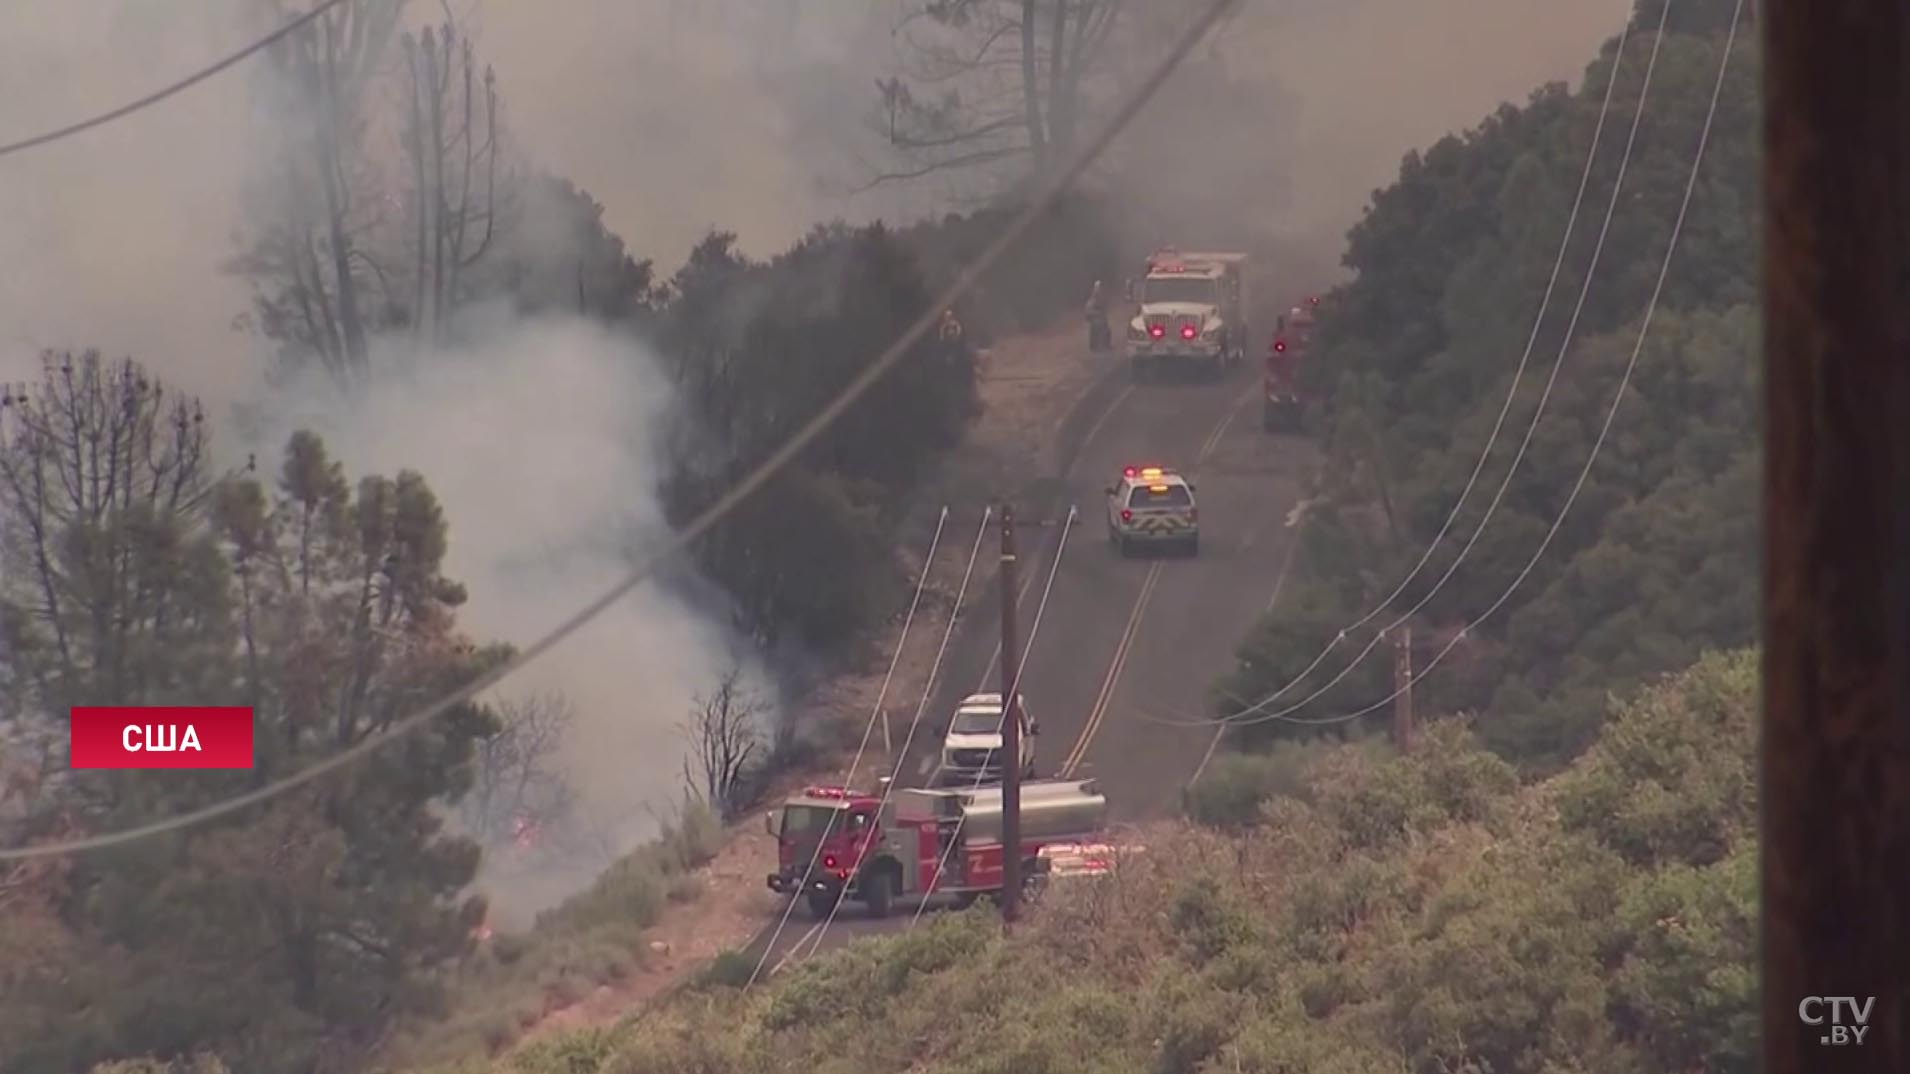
pixel 1010 729
pixel 1403 688
pixel 1835 750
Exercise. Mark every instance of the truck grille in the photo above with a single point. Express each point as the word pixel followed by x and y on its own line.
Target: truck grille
pixel 1172 326
pixel 974 758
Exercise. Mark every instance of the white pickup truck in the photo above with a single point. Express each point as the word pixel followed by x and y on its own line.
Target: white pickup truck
pixel 972 743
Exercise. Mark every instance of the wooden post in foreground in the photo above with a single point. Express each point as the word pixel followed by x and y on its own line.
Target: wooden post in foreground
pixel 1835 766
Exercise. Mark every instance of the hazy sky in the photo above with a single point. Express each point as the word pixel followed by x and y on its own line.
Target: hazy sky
pixel 677 114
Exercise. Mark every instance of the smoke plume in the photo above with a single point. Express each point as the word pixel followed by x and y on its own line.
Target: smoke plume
pixel 538 442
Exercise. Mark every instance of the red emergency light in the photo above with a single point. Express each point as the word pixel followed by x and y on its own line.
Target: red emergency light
pixel 1157 330
pixel 1188 331
pixel 1280 346
pixel 1313 300
pixel 828 861
pixel 1127 516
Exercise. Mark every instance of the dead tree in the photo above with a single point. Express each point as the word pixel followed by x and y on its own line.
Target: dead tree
pixel 518 790
pixel 994 80
pixel 451 143
pixel 307 260
pixel 724 732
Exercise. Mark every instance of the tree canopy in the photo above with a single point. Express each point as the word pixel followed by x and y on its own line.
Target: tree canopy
pixel 137 574
pixel 1654 561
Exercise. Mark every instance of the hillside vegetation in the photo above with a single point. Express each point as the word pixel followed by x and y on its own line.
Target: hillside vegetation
pixel 1656 560
pixel 1392 915
pixel 304 933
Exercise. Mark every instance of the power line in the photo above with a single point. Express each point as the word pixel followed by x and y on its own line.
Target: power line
pixel 1485 451
pixel 1051 192
pixel 1014 690
pixel 927 690
pixel 948 631
pixel 1604 431
pixel 1259 708
pixel 875 713
pixel 159 95
pixel 816 937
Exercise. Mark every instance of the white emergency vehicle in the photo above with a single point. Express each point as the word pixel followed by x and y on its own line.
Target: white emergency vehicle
pixel 972 743
pixel 1152 506
pixel 1193 311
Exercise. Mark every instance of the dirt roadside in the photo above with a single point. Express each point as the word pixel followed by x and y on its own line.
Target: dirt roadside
pixel 1016 445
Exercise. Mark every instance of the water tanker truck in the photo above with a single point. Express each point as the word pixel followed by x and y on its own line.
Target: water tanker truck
pixel 834 841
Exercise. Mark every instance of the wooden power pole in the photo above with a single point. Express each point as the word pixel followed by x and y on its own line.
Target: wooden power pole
pixel 1403 688
pixel 1010 729
pixel 1835 755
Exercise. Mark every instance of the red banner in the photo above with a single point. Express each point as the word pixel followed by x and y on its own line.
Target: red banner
pixel 186 736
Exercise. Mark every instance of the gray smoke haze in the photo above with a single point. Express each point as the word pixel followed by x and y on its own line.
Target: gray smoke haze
pixel 678 115
pixel 537 441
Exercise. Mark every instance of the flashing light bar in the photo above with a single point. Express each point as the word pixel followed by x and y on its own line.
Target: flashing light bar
pixel 824 792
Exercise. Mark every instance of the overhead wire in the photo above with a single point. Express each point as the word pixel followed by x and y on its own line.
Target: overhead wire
pixel 948 631
pixel 928 687
pixel 1014 690
pixel 1611 413
pixel 1258 710
pixel 1050 191
pixel 175 88
pixel 1485 452
pixel 875 710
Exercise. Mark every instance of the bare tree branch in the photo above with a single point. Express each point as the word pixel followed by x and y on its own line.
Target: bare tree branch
pixel 725 734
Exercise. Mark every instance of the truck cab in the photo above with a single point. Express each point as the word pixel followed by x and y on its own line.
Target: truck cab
pixel 972 743
pixel 1192 311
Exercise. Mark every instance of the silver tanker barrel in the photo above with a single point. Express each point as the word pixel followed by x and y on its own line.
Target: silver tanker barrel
pixel 1050 809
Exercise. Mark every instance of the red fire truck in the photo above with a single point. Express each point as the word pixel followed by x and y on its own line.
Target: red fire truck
pixel 834 840
pixel 1285 391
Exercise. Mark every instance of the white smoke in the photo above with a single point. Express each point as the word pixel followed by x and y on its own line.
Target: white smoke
pixel 539 441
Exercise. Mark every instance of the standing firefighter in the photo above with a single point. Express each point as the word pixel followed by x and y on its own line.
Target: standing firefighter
pixel 949 330
pixel 1096 314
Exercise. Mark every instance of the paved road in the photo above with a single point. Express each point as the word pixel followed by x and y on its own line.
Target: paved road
pixel 1118 635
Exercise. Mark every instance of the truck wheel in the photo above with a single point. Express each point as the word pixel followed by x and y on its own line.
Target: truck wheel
pixel 878 888
pixel 820 904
